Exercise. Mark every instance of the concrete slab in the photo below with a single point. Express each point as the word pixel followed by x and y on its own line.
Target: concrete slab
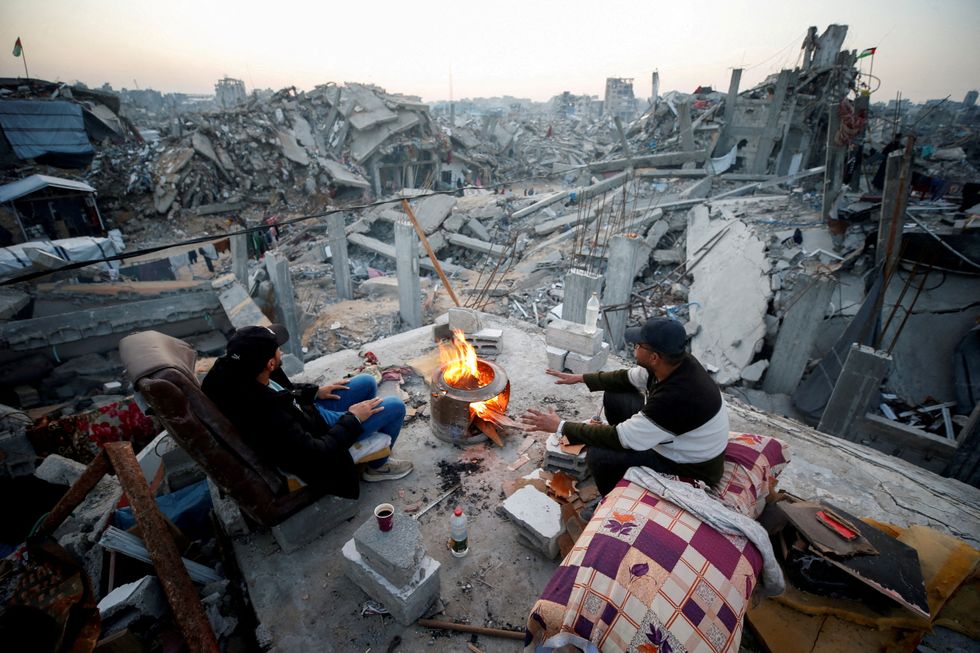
pixel 536 516
pixel 431 211
pixel 304 601
pixel 730 294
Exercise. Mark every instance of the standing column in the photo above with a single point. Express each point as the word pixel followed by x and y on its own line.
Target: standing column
pixel 278 268
pixel 338 255
pixel 239 258
pixel 769 133
pixel 725 140
pixel 623 253
pixel 654 90
pixel 894 197
pixel 833 174
pixel 579 286
pixel 407 269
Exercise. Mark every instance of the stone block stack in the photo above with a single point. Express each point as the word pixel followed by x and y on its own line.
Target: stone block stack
pixel 393 568
pixel 571 348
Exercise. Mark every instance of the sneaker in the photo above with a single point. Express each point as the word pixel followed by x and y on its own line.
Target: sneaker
pixel 391 471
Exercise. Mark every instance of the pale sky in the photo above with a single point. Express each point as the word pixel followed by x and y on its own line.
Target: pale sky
pixel 926 48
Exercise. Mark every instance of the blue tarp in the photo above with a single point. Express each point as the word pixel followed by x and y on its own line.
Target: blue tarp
pixel 50 132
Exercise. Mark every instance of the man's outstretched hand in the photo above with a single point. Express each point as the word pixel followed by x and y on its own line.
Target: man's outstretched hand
pixel 329 391
pixel 564 378
pixel 364 409
pixel 535 420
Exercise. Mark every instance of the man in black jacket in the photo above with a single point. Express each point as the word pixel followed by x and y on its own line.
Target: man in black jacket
pixel 680 427
pixel 304 429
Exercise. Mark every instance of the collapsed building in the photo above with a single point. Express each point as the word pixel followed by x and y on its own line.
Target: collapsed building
pixel 803 295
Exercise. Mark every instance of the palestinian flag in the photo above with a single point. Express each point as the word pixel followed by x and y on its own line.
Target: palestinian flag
pixel 867 53
pixel 17 48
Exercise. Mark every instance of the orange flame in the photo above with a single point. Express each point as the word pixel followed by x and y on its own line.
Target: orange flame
pixel 462 371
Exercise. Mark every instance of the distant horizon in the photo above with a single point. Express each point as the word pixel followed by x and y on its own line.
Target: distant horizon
pixel 533 51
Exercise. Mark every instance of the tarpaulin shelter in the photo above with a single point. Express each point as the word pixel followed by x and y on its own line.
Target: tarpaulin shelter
pixel 41 206
pixel 49 132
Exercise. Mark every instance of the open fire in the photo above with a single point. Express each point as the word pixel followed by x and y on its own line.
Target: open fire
pixel 469 395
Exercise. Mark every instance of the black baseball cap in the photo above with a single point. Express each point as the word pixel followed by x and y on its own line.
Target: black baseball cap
pixel 661 334
pixel 255 345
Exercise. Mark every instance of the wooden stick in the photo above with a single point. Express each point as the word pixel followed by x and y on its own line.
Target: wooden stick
pixel 473 649
pixel 428 249
pixel 467 628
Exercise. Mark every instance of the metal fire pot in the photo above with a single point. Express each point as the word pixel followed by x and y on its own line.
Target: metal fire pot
pixel 450 406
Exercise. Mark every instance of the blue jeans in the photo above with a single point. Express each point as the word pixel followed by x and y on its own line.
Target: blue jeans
pixel 359 388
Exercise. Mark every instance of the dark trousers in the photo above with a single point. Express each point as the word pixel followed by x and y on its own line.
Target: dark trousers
pixel 608 465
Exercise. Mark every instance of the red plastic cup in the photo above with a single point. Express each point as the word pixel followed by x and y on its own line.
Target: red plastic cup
pixel 385 514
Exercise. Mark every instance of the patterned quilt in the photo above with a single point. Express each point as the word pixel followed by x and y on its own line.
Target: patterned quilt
pixel 646 576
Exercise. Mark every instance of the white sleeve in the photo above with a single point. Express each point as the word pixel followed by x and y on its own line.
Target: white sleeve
pixel 641 433
pixel 639 377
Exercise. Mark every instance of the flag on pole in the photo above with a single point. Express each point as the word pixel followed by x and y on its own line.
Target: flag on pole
pixel 869 52
pixel 17 47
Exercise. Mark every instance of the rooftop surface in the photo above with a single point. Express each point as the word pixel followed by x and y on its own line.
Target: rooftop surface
pixel 306 603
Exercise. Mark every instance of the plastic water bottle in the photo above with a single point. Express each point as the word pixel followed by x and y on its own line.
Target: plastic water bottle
pixel 592 314
pixel 457 533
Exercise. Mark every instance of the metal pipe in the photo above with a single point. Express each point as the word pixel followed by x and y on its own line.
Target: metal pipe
pixel 184 602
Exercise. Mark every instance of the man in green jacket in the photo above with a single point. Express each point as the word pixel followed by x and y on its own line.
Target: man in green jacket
pixel 666 413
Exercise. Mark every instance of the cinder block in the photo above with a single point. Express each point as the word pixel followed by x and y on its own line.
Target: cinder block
pixel 537 516
pixel 579 364
pixel 573 337
pixel 406 603
pixel 464 319
pixel 395 554
pixel 313 521
pixel 556 358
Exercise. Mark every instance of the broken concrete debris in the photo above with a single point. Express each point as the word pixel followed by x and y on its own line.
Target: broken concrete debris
pixel 708 207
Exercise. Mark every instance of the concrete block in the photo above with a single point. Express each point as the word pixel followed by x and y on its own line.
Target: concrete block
pixel 454 223
pixel 59 470
pixel 380 287
pixel 229 515
pixel 127 603
pixel 464 319
pixel 753 373
pixel 556 357
pixel 487 338
pixel 437 240
pixel 433 210
pixel 537 516
pixel 579 364
pixel 478 230
pixel 406 603
pixel 397 554
pixel 313 521
pixel 573 337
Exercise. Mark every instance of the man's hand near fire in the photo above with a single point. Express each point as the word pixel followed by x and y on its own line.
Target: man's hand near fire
pixel 536 420
pixel 564 378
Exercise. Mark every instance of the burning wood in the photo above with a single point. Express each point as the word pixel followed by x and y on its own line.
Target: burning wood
pixel 468 392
